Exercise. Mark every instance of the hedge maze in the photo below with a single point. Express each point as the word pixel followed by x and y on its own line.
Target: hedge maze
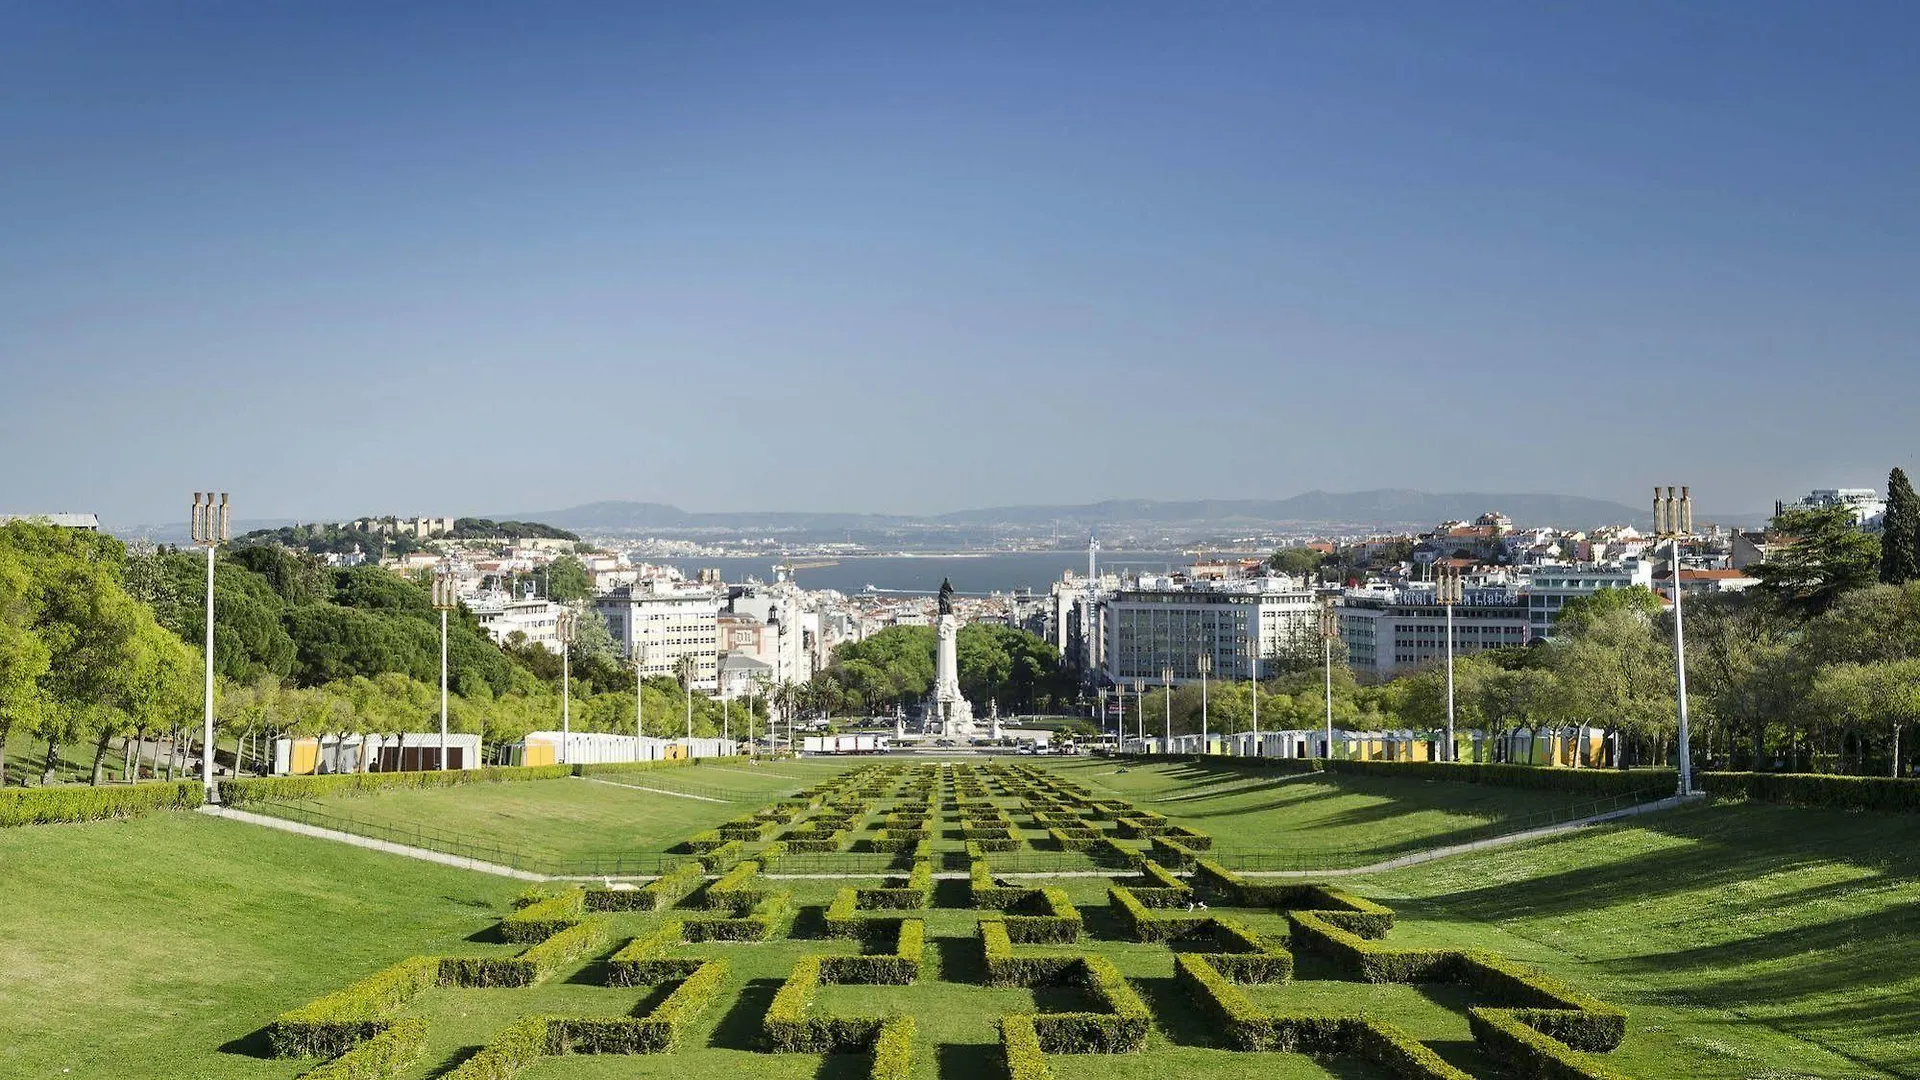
pixel 726 951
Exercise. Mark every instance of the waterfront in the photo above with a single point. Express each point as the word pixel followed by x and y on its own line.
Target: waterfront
pixel 970 573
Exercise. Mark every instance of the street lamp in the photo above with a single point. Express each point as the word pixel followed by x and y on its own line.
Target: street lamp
pixel 1448 590
pixel 1139 710
pixel 1166 681
pixel 1205 664
pixel 639 696
pixel 1103 710
pixel 563 635
pixel 208 528
pixel 1253 681
pixel 444 601
pixel 1329 629
pixel 1673 520
pixel 726 718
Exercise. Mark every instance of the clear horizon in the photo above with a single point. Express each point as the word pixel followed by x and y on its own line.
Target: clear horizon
pixel 869 259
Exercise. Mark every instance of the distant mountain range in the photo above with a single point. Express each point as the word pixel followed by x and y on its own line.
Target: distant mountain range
pixel 1350 511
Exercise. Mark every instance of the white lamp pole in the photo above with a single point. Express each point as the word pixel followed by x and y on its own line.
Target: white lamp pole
pixel 563 633
pixel 1166 681
pixel 726 711
pixel 639 696
pixel 1449 592
pixel 443 601
pixel 208 528
pixel 1678 520
pixel 1205 664
pixel 1329 627
pixel 1140 711
pixel 1253 680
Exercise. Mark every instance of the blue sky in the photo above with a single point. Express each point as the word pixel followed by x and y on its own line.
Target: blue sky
pixel 355 257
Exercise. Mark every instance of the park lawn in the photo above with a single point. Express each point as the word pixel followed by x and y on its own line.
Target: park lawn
pixel 1341 819
pixel 146 948
pixel 542 823
pixel 1745 940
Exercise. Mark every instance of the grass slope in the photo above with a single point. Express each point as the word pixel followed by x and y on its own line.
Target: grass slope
pixel 555 820
pixel 141 948
pixel 1746 940
pixel 1347 819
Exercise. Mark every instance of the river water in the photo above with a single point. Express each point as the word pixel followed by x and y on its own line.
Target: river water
pixel 983 573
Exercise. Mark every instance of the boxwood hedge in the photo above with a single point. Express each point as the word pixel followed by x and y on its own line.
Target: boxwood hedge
pixel 50 805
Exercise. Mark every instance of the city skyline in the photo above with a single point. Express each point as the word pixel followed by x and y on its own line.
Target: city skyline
pixel 463 259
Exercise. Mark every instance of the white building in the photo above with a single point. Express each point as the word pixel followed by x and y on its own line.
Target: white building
pixel 1158 624
pixel 1869 509
pixel 1389 630
pixel 502 615
pixel 1550 587
pixel 661 623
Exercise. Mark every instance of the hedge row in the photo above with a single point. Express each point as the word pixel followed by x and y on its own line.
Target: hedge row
pixel 738 890
pixel 987 893
pixel 1006 969
pixel 720 859
pixel 1172 853
pixel 893 1050
pixel 1355 914
pixel 382 1057
pixel 1020 1047
pixel 285 788
pixel 1145 924
pixel 50 805
pixel 767 919
pixel 1043 917
pixel 1121 1029
pixel 1596 782
pixel 643 961
pixel 542 919
pixel 916 893
pixel 616 768
pixel 1549 1006
pixel 900 967
pixel 517 1046
pixel 790 1030
pixel 532 965
pixel 1508 1036
pixel 327 1026
pixel 658 1032
pixel 1884 793
pixel 657 895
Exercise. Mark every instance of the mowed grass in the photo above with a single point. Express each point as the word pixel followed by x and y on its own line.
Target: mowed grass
pixel 1745 940
pixel 1346 820
pixel 150 948
pixel 555 821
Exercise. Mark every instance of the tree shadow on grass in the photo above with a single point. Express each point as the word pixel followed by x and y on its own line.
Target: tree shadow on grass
pixel 742 1026
pixel 1175 1014
pixel 809 923
pixel 969 1061
pixel 960 960
pixel 844 1067
pixel 952 893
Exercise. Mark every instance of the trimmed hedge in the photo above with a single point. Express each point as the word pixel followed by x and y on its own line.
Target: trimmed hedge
pixel 1508 1035
pixel 738 891
pixel 987 892
pixel 1884 793
pixel 900 967
pixel 1144 924
pixel 517 1046
pixel 768 918
pixel 658 1032
pixel 722 858
pixel 382 1057
pixel 643 961
pixel 52 805
pixel 532 965
pixel 542 919
pixel 1586 781
pixel 1121 1029
pixel 893 1050
pixel 286 788
pixel 1043 917
pixel 660 893
pixel 327 1026
pixel 1020 1047
pixel 1003 968
pixel 789 1029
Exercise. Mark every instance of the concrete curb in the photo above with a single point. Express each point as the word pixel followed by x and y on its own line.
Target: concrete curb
pixel 423 854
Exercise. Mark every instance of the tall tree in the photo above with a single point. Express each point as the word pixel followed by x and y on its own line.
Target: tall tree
pixel 1900 531
pixel 1825 556
pixel 23 656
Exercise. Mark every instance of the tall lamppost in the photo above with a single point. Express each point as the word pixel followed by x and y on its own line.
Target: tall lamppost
pixel 689 697
pixel 1205 664
pixel 208 528
pixel 563 635
pixel 1103 710
pixel 1449 591
pixel 1253 683
pixel 1674 521
pixel 639 696
pixel 1139 710
pixel 726 711
pixel 443 602
pixel 1329 629
pixel 1166 682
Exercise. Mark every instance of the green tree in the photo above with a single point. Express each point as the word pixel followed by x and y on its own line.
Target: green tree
pixel 568 580
pixel 1826 556
pixel 24 658
pixel 1297 562
pixel 1900 532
